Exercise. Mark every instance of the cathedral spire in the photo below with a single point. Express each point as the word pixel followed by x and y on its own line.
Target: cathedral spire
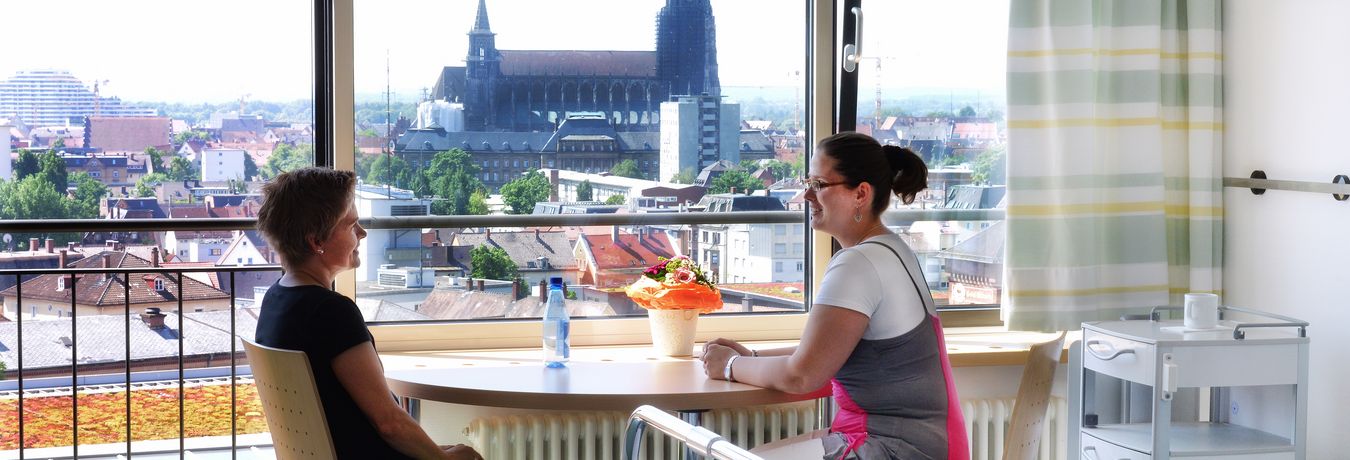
pixel 481 23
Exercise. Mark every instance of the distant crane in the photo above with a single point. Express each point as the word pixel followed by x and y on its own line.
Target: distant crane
pixel 876 110
pixel 98 99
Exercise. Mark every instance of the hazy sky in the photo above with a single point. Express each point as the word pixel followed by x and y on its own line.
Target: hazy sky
pixel 192 51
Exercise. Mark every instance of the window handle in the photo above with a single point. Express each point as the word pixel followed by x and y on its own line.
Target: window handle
pixel 853 51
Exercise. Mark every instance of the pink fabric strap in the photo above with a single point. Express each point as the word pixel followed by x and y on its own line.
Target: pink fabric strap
pixel 958 443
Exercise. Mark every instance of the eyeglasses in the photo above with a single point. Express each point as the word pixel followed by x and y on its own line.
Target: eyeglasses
pixel 816 185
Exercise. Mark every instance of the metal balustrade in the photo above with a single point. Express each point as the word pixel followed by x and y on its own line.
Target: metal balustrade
pixel 718 450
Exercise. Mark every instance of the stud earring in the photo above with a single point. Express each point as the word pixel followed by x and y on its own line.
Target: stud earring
pixel 320 251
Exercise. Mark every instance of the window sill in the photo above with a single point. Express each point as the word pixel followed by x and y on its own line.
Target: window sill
pixel 966 347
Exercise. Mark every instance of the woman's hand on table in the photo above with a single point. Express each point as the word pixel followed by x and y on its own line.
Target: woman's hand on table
pixel 461 452
pixel 740 349
pixel 715 360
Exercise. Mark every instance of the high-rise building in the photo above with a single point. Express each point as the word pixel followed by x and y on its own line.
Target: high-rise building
pixel 697 131
pixel 6 168
pixel 55 97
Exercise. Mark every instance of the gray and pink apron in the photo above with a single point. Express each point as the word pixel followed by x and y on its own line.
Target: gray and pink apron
pixel 896 397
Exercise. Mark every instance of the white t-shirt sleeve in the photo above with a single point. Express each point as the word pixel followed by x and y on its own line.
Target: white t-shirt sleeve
pixel 851 282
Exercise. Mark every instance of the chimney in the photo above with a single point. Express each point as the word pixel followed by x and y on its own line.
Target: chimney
pixel 153 318
pixel 536 233
pixel 642 232
pixel 553 185
pixel 70 246
pixel 61 259
pixel 515 291
pixel 107 261
pixel 480 285
pixel 543 291
pixel 489 234
pixel 468 283
pixel 733 190
pixel 33 244
pixel 111 244
pixel 50 244
pixel 154 257
pixel 614 234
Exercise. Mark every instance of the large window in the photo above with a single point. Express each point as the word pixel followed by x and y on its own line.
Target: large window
pixel 932 80
pixel 147 110
pixel 699 108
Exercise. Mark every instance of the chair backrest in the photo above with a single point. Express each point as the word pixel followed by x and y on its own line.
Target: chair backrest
pixel 1022 442
pixel 290 401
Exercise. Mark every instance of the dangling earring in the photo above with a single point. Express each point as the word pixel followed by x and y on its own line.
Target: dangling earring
pixel 857 216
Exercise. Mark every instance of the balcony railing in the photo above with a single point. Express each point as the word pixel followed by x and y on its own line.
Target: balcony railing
pixel 124 275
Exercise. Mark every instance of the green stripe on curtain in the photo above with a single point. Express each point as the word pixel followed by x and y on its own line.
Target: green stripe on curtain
pixel 1090 236
pixel 1118 13
pixel 1114 87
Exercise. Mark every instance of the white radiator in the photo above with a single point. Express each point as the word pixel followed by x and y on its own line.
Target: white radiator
pixel 598 435
pixel 987 422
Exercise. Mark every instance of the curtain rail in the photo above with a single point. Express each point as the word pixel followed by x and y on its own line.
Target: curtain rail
pixel 1338 188
pixel 894 217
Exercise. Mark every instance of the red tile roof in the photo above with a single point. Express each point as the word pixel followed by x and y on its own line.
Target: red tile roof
pixel 129 133
pixel 100 291
pixel 193 212
pixel 628 252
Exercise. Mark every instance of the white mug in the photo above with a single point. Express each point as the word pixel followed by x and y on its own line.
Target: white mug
pixel 1202 311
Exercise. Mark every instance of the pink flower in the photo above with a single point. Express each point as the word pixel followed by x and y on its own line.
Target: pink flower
pixel 684 275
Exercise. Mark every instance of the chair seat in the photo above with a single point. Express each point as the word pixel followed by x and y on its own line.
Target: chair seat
pixel 806 446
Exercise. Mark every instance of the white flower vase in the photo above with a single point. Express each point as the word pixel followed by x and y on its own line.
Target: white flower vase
pixel 673 331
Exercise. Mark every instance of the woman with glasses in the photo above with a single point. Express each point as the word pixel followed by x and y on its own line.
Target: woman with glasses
pixel 873 334
pixel 309 218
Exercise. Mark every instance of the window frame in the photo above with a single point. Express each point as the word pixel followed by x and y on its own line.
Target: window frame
pixel 334 72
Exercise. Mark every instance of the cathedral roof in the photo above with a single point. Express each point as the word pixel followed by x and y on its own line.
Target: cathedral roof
pixel 581 63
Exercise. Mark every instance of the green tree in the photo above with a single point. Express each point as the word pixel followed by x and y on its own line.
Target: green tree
pixel 685 176
pixel 584 191
pixel 363 164
pixel 237 186
pixel 180 169
pixel 145 186
pixel 749 165
pixel 967 111
pixel 59 144
pixel 31 198
pixel 187 136
pixel 521 194
pixel 250 167
pixel 391 170
pixel 780 170
pixel 626 168
pixel 990 167
pixel 491 262
pixel 26 165
pixel 952 160
pixel 742 181
pixel 453 177
pixel 156 158
pixel 616 199
pixel 52 169
pixel 477 203
pixel 88 192
pixel 939 114
pixel 285 158
pixel 799 165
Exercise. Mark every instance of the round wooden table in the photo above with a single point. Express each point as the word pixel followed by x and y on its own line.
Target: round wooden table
pixel 675 385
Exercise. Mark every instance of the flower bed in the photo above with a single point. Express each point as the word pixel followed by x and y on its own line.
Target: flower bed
pixel 154 415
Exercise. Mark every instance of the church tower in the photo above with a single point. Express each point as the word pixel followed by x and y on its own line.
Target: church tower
pixel 482 66
pixel 686 48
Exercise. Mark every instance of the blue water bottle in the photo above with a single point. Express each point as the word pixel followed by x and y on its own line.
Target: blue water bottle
pixel 556 343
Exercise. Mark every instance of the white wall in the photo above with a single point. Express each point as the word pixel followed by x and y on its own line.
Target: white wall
pixel 220 165
pixel 1286 69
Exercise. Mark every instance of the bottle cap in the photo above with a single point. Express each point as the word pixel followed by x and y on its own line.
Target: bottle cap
pixel 555 281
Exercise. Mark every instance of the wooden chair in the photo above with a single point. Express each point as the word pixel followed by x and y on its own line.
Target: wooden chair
pixel 290 401
pixel 1023 439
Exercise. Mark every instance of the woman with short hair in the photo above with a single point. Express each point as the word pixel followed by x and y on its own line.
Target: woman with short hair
pixel 873 334
pixel 309 218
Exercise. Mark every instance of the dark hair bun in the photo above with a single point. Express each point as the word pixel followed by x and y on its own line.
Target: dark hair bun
pixel 909 170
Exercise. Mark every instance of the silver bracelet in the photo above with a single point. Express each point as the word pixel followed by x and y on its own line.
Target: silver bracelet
pixel 726 372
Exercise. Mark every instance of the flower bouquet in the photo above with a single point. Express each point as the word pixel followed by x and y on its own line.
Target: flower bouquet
pixel 674 292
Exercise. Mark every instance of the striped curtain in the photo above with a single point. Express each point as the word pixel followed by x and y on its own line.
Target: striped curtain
pixel 1114 158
